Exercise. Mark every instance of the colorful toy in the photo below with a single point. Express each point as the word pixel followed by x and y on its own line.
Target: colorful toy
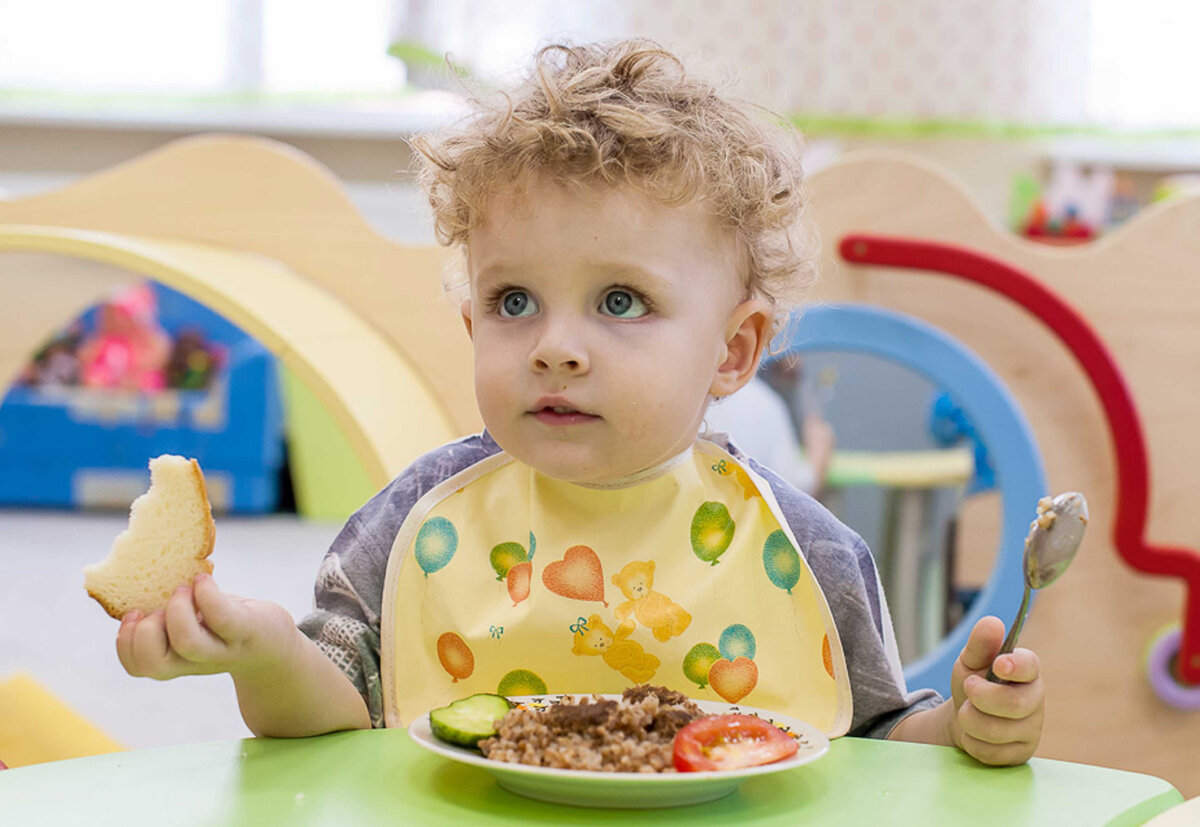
pixel 128 349
pixel 70 445
pixel 1073 207
pixel 949 424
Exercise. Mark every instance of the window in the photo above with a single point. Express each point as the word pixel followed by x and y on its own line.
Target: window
pixel 117 45
pixel 198 46
pixel 1145 60
pixel 320 46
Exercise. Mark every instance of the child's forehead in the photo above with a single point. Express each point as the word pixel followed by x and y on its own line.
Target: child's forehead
pixel 525 210
pixel 601 227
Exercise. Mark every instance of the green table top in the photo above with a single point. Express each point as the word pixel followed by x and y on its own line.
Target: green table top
pixel 382 777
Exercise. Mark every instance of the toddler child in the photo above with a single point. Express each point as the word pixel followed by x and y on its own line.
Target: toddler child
pixel 631 243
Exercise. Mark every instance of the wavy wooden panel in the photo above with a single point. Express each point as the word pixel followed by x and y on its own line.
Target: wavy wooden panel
pixel 1139 288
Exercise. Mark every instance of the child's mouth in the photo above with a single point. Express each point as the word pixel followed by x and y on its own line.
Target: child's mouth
pixel 562 416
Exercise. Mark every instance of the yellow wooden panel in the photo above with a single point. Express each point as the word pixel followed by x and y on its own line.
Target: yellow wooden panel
pixel 36 726
pixel 387 409
pixel 255 195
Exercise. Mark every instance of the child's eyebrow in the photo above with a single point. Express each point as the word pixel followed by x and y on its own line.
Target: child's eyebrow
pixel 494 271
pixel 617 270
pixel 627 271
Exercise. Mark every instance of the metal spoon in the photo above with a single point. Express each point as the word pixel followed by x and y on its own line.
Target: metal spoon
pixel 1050 546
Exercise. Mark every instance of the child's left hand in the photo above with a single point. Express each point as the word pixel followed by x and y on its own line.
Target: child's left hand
pixel 997 723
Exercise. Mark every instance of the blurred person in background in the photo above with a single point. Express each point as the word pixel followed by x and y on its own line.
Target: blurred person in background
pixel 759 419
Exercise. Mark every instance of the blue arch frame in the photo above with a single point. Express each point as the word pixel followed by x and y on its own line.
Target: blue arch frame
pixel 998 418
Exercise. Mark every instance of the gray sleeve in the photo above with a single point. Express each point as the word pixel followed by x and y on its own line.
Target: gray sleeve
pixel 349 587
pixel 842 564
pixel 348 597
pixel 851 585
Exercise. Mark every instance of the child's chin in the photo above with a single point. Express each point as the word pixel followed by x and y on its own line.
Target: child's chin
pixel 572 465
pixel 571 472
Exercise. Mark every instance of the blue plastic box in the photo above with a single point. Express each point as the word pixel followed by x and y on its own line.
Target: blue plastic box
pixel 89 448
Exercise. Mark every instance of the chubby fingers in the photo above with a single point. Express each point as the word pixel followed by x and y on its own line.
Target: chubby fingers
pixel 1007 754
pixel 187 636
pixel 1020 698
pixel 143 649
pixel 172 641
pixel 1018 666
pixel 224 617
pixel 982 644
pixel 1001 723
pixel 998 739
pixel 125 639
pixel 977 654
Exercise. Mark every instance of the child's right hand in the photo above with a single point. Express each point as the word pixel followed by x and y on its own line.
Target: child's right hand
pixel 203 631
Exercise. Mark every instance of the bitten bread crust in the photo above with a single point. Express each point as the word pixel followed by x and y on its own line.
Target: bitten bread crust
pixel 210 537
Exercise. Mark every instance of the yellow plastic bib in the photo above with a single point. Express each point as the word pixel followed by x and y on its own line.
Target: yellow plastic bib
pixel 505 580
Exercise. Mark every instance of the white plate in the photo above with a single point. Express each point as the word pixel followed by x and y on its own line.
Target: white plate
pixel 589 788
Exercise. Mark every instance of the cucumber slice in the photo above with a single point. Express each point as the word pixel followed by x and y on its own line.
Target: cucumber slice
pixel 468 721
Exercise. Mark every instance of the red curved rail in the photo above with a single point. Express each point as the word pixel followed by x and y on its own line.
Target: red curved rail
pixel 1125 428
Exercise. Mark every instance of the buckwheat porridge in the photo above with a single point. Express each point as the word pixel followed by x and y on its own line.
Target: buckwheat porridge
pixel 633 734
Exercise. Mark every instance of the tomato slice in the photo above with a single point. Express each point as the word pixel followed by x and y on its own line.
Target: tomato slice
pixel 730 742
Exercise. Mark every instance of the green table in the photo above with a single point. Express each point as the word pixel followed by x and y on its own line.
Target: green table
pixel 382 777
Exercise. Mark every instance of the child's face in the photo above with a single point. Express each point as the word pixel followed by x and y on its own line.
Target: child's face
pixel 601 322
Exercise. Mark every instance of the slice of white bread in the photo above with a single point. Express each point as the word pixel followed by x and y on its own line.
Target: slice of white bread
pixel 170 536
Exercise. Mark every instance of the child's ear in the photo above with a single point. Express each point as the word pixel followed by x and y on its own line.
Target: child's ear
pixel 746 336
pixel 465 309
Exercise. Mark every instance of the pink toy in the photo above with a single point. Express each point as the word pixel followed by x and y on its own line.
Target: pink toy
pixel 129 349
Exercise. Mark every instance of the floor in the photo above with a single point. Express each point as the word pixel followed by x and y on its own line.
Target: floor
pixel 51 629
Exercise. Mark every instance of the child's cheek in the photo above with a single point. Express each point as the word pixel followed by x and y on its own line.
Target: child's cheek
pixel 489 392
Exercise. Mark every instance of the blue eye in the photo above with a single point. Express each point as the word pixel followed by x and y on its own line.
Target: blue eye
pixel 623 304
pixel 516 303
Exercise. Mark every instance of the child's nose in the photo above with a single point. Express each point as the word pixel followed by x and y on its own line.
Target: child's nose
pixel 564 364
pixel 559 349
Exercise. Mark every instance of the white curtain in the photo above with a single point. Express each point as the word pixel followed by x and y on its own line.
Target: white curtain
pixel 1037 63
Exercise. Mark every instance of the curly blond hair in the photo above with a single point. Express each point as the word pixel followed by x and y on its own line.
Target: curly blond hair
pixel 627 112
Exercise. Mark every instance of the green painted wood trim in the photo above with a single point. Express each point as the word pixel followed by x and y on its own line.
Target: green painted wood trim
pixel 848 126
pixel 329 481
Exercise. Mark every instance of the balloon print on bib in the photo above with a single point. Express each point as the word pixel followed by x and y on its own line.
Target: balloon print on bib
pixel 781 561
pixel 455 656
pixel 712 531
pixel 435 544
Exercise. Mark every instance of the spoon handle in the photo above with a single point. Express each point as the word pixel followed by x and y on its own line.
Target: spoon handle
pixel 1010 640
